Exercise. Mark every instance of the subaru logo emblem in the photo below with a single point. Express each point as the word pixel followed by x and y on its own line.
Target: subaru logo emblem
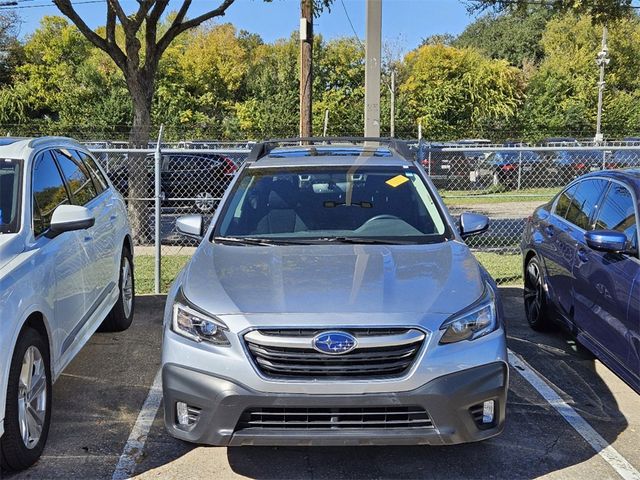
pixel 334 343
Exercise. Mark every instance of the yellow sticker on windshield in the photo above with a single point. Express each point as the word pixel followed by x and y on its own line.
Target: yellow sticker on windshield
pixel 397 181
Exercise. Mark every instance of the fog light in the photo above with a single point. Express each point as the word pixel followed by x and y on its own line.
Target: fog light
pixel 487 411
pixel 183 413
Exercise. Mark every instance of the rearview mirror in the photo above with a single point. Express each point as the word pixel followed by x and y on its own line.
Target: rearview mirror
pixel 190 226
pixel 67 218
pixel 606 241
pixel 473 224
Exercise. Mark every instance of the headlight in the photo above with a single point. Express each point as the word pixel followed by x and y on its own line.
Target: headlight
pixel 474 322
pixel 198 327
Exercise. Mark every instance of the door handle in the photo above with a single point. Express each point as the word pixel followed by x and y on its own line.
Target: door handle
pixel 549 230
pixel 582 254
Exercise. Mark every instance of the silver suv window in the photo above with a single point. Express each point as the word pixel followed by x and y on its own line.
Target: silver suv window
pixel 10 175
pixel 78 179
pixel 333 202
pixel 49 191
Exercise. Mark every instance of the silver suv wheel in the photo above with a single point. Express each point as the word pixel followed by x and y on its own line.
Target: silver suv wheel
pixel 126 279
pixel 32 397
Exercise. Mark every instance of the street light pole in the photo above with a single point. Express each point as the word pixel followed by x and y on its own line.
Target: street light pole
pixel 373 51
pixel 602 61
pixel 392 90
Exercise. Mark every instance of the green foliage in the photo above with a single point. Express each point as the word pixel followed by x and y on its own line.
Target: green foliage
pixel 533 75
pixel 513 36
pixel 454 90
pixel 599 11
pixel 562 93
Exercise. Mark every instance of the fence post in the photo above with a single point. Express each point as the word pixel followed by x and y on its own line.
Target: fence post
pixel 157 240
pixel 604 159
pixel 519 168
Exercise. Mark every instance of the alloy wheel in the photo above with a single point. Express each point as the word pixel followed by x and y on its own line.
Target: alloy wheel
pixel 533 292
pixel 204 202
pixel 127 287
pixel 32 397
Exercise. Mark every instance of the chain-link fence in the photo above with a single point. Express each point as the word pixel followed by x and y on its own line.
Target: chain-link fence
pixel 505 183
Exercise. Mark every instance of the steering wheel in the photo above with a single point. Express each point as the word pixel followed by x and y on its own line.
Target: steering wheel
pixel 384 216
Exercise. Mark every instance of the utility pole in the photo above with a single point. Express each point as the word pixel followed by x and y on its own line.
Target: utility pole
pixel 373 53
pixel 306 66
pixel 602 61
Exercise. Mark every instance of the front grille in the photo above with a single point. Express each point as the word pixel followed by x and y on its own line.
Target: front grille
pixel 379 353
pixel 288 418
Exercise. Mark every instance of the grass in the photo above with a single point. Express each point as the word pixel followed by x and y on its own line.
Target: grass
pixel 144 269
pixel 505 268
pixel 465 197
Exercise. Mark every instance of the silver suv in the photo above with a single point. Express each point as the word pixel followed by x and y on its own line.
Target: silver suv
pixel 333 301
pixel 66 270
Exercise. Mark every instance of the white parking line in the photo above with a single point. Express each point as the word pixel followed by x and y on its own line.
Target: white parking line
pixel 579 424
pixel 134 447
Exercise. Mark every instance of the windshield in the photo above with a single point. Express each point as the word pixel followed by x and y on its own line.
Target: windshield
pixel 9 196
pixel 390 204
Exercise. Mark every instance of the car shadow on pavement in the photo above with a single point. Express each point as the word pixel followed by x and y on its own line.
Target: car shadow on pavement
pixel 536 440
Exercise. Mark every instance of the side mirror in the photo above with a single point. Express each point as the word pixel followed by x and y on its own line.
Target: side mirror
pixel 606 241
pixel 473 224
pixel 67 218
pixel 190 226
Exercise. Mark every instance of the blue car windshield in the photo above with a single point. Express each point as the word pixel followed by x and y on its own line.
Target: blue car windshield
pixel 10 180
pixel 330 203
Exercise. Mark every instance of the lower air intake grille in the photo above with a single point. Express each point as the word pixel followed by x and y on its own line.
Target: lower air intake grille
pixel 335 418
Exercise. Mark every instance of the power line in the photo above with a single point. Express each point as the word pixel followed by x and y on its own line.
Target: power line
pixel 351 23
pixel 16 6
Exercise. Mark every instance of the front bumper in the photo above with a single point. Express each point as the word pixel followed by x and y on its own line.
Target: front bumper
pixel 447 400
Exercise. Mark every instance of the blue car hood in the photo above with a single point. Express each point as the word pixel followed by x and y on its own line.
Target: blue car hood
pixel 434 278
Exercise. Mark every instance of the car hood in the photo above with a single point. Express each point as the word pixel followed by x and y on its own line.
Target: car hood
pixel 10 246
pixel 435 278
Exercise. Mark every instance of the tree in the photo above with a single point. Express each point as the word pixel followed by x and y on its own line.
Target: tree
pixel 599 11
pixel 10 48
pixel 339 86
pixel 562 94
pixel 272 88
pixel 457 92
pixel 514 36
pixel 139 63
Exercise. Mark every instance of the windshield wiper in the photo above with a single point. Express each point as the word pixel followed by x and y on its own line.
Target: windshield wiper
pixel 366 240
pixel 242 241
pixel 256 241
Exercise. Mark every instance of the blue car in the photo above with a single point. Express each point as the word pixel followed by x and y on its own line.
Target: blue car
pixel 582 270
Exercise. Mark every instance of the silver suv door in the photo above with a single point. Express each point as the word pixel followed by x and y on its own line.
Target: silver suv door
pixel 63 259
pixel 98 240
pixel 108 222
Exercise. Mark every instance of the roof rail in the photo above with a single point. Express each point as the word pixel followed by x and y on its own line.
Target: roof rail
pixel 36 142
pixel 262 149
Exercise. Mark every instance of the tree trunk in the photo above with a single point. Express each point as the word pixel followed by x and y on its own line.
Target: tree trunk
pixel 140 166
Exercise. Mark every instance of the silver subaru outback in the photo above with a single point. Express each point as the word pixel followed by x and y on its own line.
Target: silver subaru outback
pixel 333 301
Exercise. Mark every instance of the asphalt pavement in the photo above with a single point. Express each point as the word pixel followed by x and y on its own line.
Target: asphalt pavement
pixel 579 421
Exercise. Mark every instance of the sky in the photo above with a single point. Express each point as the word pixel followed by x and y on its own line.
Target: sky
pixel 404 22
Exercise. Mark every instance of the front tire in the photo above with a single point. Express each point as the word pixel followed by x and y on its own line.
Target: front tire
pixel 121 315
pixel 536 306
pixel 28 409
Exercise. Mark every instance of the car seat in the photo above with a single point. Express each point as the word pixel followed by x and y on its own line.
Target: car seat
pixel 281 216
